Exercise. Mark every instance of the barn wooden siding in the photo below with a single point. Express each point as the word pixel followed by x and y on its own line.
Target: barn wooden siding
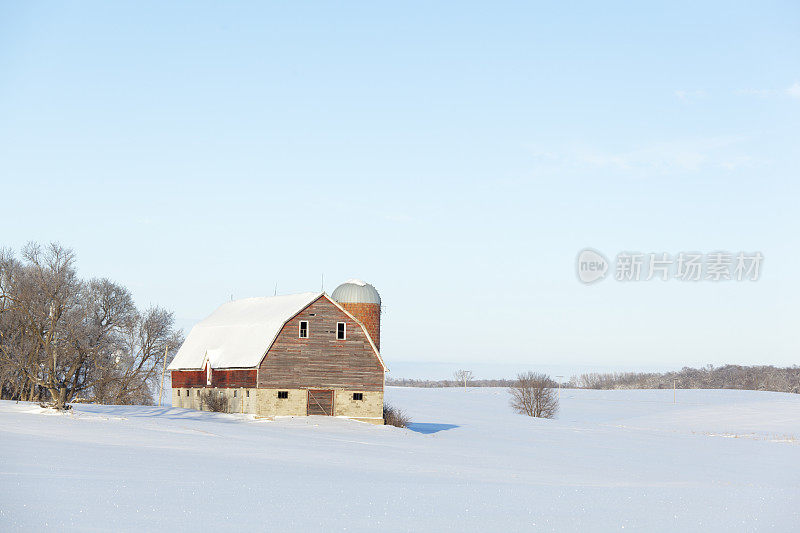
pixel 321 361
pixel 219 378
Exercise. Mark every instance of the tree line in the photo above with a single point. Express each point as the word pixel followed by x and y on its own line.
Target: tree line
pixel 437 383
pixel 766 378
pixel 63 338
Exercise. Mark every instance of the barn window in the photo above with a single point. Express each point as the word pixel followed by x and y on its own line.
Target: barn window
pixel 283 394
pixel 248 393
pixel 187 392
pixel 198 392
pixel 179 392
pixel 234 393
pixel 304 329
pixel 358 395
pixel 341 331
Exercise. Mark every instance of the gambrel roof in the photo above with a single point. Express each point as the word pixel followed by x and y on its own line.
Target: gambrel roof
pixel 239 333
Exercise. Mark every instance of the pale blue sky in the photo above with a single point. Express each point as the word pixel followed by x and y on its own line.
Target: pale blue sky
pixel 456 155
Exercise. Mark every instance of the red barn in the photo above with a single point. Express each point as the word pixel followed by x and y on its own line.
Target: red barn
pixel 301 354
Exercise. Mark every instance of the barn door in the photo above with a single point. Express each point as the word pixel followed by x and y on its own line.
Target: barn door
pixel 320 402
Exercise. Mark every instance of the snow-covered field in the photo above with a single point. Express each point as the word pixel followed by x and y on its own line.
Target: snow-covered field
pixel 716 460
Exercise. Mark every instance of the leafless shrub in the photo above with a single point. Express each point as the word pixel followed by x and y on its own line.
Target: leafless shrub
pixel 533 395
pixel 392 416
pixel 51 405
pixel 214 401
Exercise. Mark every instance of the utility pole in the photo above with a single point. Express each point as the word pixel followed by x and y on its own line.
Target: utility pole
pixel 673 391
pixel 559 387
pixel 163 372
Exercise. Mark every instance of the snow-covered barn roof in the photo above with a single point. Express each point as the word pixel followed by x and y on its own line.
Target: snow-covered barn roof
pixel 239 333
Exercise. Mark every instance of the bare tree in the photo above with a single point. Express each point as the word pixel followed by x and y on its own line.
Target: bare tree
pixel 130 373
pixel 533 395
pixel 463 376
pixel 50 346
pixel 63 337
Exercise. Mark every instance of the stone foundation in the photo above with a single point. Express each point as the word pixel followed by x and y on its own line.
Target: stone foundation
pixel 240 400
pixel 265 402
pixel 270 405
pixel 370 407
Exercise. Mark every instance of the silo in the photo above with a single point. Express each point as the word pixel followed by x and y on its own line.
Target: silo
pixel 363 302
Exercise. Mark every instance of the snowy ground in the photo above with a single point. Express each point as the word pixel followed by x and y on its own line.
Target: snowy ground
pixel 614 459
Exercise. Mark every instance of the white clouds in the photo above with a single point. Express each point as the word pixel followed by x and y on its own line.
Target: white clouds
pixel 760 93
pixel 656 158
pixel 688 95
pixel 792 92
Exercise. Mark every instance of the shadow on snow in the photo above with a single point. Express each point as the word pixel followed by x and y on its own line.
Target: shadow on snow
pixel 176 413
pixel 424 427
pixel 146 411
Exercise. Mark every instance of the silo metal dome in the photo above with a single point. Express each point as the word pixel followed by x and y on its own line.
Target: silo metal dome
pixel 356 291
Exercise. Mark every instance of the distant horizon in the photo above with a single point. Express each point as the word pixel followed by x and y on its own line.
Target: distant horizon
pixel 441 370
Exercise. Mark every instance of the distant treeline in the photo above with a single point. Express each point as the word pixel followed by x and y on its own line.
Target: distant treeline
pixel 767 378
pixel 724 377
pixel 430 383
